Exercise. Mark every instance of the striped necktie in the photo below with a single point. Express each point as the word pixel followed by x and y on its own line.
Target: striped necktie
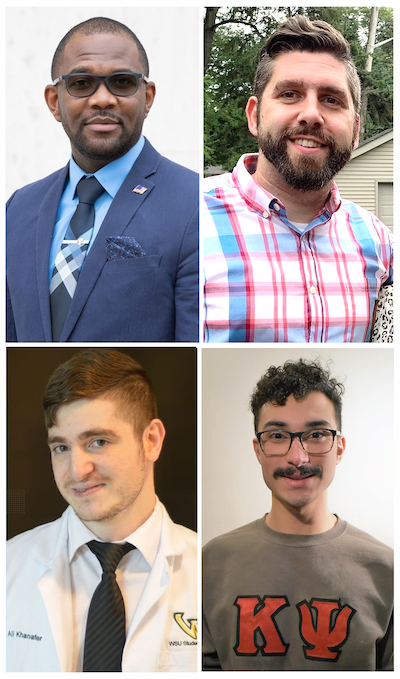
pixel 105 629
pixel 70 258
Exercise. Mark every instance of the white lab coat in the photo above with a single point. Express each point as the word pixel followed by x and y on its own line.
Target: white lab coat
pixel 39 606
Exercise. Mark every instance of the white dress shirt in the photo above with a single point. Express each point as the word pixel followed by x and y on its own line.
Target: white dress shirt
pixel 132 572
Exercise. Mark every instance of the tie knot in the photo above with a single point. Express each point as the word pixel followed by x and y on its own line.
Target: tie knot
pixel 109 554
pixel 89 190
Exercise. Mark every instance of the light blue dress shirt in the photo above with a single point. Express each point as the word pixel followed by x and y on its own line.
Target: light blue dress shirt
pixel 111 177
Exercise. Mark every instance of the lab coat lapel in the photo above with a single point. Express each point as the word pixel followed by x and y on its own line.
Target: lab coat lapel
pixel 44 234
pixel 55 587
pixel 156 585
pixel 171 545
pixel 121 212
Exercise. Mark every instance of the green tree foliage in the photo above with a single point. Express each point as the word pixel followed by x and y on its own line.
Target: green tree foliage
pixel 238 34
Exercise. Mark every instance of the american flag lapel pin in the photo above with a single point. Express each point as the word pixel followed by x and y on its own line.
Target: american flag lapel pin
pixel 139 189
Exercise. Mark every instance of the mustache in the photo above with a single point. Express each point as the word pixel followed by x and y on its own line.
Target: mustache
pixel 306 130
pixel 102 114
pixel 303 469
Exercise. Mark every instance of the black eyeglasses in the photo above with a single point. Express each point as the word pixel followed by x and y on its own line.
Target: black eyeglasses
pixel 313 441
pixel 121 84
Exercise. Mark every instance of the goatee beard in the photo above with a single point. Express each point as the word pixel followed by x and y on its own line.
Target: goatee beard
pixel 306 173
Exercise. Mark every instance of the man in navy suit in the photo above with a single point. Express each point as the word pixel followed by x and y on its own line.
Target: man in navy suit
pixel 136 274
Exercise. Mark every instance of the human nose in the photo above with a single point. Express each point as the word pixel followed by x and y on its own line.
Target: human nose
pixel 296 454
pixel 102 97
pixel 310 113
pixel 80 464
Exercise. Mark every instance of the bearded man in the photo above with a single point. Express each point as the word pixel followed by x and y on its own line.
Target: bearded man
pixel 286 258
pixel 105 249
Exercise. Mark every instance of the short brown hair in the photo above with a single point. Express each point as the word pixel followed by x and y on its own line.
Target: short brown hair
pixel 299 34
pixel 95 373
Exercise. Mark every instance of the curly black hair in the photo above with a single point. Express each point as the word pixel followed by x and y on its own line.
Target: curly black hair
pixel 299 378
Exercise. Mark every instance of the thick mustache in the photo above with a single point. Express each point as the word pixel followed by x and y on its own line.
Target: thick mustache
pixel 303 469
pixel 308 131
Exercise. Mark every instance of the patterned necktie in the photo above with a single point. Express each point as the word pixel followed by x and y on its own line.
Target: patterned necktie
pixel 70 257
pixel 105 629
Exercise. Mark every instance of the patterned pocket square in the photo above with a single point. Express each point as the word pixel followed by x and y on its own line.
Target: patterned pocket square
pixel 123 247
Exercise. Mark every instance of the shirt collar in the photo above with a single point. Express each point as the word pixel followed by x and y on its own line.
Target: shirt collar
pixel 111 176
pixel 261 200
pixel 146 538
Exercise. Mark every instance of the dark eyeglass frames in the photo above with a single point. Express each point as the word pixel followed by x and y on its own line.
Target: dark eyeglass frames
pixel 121 84
pixel 313 441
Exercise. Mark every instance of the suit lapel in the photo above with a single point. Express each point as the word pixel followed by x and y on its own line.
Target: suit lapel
pixel 44 233
pixel 122 210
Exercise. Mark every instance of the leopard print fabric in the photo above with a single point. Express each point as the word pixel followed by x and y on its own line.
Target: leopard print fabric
pixel 382 330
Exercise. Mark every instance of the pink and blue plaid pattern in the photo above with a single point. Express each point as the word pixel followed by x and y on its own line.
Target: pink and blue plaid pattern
pixel 266 281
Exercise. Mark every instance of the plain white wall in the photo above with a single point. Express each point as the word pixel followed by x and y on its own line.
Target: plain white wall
pixel 233 490
pixel 36 144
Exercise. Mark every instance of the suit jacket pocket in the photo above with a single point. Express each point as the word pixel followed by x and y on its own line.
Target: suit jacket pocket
pixel 133 264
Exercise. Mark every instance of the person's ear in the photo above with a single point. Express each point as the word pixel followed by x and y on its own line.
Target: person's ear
pixel 356 132
pixel 341 445
pixel 150 94
pixel 51 97
pixel 256 447
pixel 251 113
pixel 153 438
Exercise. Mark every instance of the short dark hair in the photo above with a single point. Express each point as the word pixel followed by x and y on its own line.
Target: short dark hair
pixel 91 27
pixel 95 373
pixel 299 378
pixel 299 34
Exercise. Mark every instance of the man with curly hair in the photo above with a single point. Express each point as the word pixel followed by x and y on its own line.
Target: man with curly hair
pixel 299 589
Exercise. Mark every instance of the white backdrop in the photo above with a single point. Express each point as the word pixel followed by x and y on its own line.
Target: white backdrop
pixel 36 144
pixel 233 490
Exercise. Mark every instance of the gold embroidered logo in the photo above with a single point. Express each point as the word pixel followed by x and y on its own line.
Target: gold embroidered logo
pixel 189 627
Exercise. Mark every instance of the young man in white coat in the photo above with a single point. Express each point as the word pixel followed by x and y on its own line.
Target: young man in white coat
pixel 111 585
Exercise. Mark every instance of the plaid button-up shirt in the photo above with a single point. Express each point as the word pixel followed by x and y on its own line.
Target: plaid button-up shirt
pixel 267 281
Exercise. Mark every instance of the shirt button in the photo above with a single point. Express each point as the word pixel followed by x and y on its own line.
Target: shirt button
pixel 313 290
pixel 276 207
pixel 265 214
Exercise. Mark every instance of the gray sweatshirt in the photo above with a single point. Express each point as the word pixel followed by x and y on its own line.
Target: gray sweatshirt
pixel 274 601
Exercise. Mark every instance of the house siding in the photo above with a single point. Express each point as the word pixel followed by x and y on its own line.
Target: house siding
pixel 358 180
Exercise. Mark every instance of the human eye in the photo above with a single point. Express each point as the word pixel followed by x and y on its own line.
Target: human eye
pixel 275 436
pixel 58 449
pixel 98 443
pixel 79 83
pixel 289 96
pixel 332 101
pixel 316 434
pixel 124 82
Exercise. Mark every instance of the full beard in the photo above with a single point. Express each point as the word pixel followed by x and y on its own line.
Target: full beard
pixel 305 173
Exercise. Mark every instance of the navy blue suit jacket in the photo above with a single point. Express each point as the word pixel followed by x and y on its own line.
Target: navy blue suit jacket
pixel 151 298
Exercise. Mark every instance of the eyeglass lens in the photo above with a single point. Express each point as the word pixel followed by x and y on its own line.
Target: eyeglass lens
pixel 316 441
pixel 118 83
